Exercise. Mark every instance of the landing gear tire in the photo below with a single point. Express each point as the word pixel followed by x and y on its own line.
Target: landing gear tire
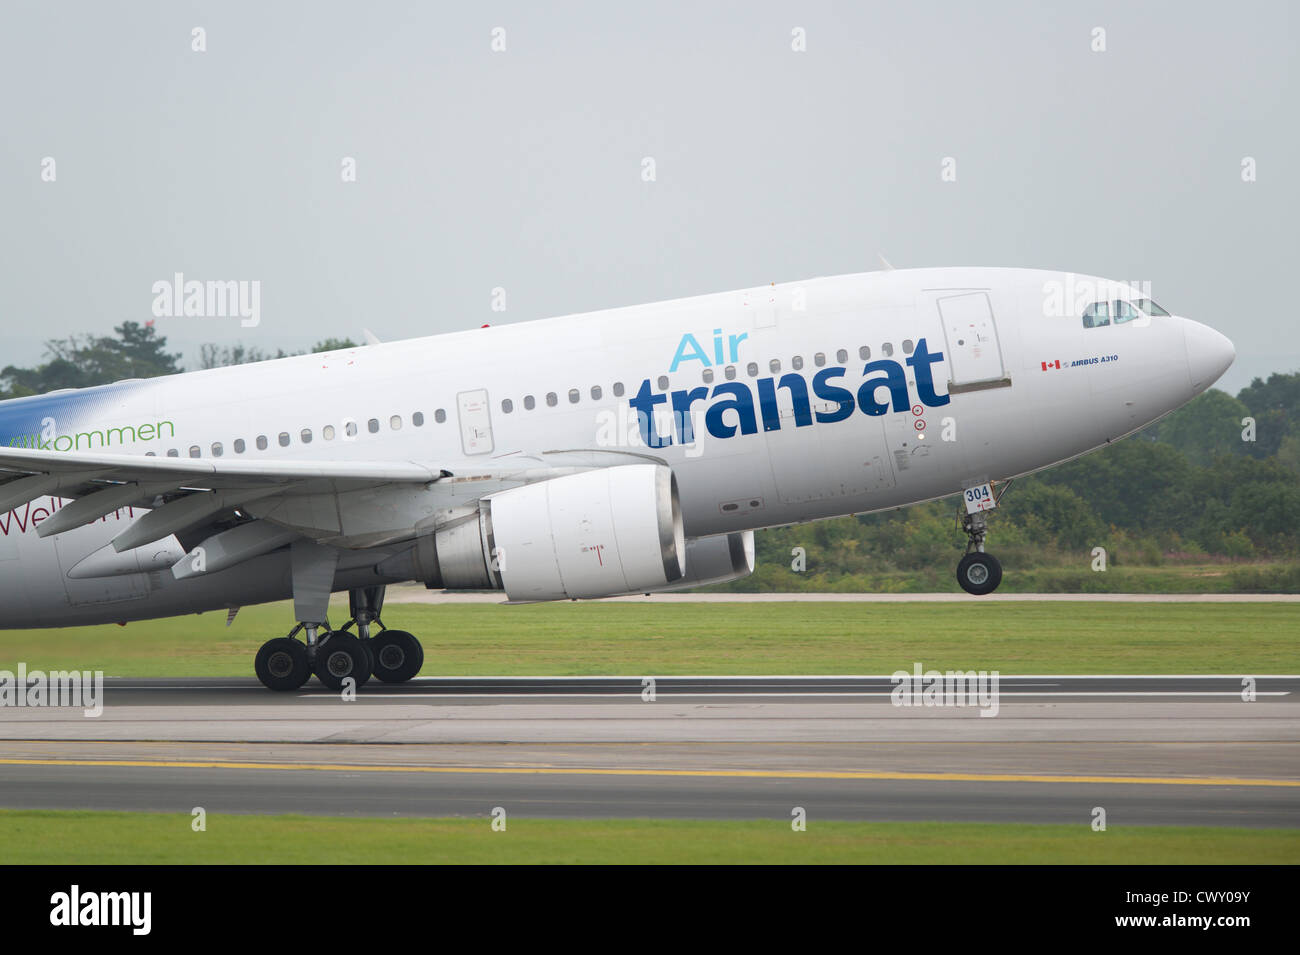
pixel 398 656
pixel 979 573
pixel 339 656
pixel 282 664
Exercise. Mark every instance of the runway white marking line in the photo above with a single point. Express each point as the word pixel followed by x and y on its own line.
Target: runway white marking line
pixel 687 696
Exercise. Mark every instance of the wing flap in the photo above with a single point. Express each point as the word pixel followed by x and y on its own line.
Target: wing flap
pixel 192 489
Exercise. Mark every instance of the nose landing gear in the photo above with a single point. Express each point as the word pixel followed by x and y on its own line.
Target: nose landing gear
pixel 978 572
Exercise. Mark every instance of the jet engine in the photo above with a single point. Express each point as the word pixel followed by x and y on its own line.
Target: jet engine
pixel 597 533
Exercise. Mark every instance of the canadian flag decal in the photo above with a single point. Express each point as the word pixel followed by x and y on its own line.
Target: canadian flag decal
pixel 1051 364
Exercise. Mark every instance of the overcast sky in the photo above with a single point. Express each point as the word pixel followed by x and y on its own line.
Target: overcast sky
pixel 523 169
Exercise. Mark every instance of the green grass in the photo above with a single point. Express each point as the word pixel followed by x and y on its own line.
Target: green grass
pixel 685 638
pixel 81 838
pixel 1172 577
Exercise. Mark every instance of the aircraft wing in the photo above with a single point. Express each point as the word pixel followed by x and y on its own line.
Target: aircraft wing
pixel 352 504
pixel 214 471
pixel 187 490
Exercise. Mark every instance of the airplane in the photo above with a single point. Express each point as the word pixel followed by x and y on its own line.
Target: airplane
pixel 626 451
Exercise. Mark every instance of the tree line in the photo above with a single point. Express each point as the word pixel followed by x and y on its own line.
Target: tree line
pixel 1217 481
pixel 135 350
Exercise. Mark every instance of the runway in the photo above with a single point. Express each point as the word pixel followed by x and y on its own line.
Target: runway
pixel 1180 750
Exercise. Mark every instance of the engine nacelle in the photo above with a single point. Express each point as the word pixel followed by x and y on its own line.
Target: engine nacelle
pixel 718 559
pixel 594 534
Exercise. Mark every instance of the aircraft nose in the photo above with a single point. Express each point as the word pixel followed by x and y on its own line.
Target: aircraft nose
pixel 1208 354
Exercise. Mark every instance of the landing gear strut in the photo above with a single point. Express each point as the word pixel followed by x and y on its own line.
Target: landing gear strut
pixel 978 572
pixel 393 656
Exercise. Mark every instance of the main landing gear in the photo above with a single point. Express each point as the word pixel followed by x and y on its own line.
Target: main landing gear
pixel 978 572
pixel 393 656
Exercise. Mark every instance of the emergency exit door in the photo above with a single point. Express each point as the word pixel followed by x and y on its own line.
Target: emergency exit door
pixel 971 334
pixel 475 417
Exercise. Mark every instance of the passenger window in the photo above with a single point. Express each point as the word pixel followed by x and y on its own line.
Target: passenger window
pixel 284 439
pixel 395 422
pixel 551 399
pixel 417 418
pixel 842 356
pixel 708 376
pixel 796 362
pixel 261 442
pixel 239 445
pixel 327 432
pixel 908 346
pixel 373 425
pixel 865 352
pixel 507 405
pixel 752 369
pixel 574 395
pixel 663 382
pixel 886 349
pixel 216 449
pixel 439 416
pixel 729 373
pixel 529 402
pixel 819 359
pixel 173 453
pixel 596 392
pixel 1124 312
pixel 1096 315
pixel 194 450
pixel 350 429
pixel 618 389
pixel 305 434
pixel 774 365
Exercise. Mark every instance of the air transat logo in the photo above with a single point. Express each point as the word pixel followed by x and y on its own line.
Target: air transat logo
pixel 885 388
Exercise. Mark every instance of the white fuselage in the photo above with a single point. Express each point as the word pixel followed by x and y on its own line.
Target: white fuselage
pixel 993 404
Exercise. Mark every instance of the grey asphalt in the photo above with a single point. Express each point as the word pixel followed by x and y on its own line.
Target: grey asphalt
pixel 414 794
pixel 1150 750
pixel 216 691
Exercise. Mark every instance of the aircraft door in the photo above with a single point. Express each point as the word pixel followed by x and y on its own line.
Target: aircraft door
pixel 475 416
pixel 971 335
pixel 758 307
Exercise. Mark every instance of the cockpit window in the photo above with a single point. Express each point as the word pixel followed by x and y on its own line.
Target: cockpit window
pixel 1150 307
pixel 1096 315
pixel 1124 312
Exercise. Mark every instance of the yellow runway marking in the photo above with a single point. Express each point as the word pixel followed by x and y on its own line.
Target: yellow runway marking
pixel 703 773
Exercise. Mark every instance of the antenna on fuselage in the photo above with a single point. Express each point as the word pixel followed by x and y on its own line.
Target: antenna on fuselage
pixel 885 262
